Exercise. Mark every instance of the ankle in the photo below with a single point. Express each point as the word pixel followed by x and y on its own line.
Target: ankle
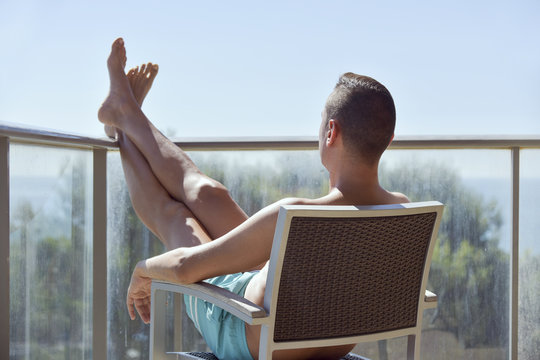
pixel 127 112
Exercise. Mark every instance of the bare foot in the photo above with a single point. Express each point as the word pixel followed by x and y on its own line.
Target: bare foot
pixel 120 102
pixel 141 80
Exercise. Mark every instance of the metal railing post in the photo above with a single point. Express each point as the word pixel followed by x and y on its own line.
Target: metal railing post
pixel 99 276
pixel 514 258
pixel 4 247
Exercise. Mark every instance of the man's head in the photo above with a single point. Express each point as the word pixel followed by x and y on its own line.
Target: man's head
pixel 364 110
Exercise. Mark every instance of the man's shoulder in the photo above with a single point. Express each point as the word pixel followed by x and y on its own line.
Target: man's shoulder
pixel 296 201
pixel 390 198
pixel 400 198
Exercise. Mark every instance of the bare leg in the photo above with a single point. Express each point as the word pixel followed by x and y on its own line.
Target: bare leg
pixel 209 201
pixel 170 220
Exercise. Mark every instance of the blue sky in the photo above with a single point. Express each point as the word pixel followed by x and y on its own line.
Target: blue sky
pixel 250 68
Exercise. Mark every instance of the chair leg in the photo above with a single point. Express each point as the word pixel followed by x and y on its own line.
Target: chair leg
pixel 413 347
pixel 265 351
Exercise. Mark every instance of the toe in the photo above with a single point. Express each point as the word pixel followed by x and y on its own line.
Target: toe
pixel 118 42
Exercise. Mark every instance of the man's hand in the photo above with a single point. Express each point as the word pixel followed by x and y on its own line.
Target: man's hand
pixel 139 293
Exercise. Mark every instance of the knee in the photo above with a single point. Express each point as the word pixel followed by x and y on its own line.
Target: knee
pixel 257 288
pixel 207 191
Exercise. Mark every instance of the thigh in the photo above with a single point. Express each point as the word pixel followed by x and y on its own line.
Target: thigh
pixel 212 204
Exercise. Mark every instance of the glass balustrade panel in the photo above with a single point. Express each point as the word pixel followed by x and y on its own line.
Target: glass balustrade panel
pixel 50 253
pixel 470 268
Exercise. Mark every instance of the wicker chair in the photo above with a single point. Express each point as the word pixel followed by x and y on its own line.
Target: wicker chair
pixel 338 275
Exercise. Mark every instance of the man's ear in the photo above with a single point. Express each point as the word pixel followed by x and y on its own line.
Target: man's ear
pixel 332 132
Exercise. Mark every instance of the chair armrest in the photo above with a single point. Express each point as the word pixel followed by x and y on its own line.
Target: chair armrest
pixel 228 301
pixel 430 300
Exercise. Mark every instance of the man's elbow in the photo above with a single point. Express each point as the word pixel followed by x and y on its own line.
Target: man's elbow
pixel 183 270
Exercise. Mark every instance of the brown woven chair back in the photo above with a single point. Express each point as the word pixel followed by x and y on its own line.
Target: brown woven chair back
pixel 351 276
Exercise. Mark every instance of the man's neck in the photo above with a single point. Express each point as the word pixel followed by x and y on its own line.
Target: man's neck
pixel 356 183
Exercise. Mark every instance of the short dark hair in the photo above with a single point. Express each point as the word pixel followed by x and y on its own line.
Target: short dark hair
pixel 365 110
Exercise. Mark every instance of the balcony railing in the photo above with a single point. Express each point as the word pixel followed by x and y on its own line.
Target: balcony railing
pixel 438 164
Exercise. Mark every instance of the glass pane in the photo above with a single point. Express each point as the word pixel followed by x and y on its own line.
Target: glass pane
pixel 50 253
pixel 470 265
pixel 529 256
pixel 256 179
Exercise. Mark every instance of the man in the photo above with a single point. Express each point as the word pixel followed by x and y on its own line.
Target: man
pixel 207 234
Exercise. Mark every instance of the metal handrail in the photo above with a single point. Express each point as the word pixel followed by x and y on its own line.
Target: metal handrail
pixel 34 135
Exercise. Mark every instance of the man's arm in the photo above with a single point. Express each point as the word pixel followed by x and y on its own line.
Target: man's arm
pixel 244 248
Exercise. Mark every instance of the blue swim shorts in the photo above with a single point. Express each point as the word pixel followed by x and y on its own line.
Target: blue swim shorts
pixel 224 333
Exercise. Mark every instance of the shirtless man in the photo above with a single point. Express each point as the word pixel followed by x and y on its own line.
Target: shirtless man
pixel 206 232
